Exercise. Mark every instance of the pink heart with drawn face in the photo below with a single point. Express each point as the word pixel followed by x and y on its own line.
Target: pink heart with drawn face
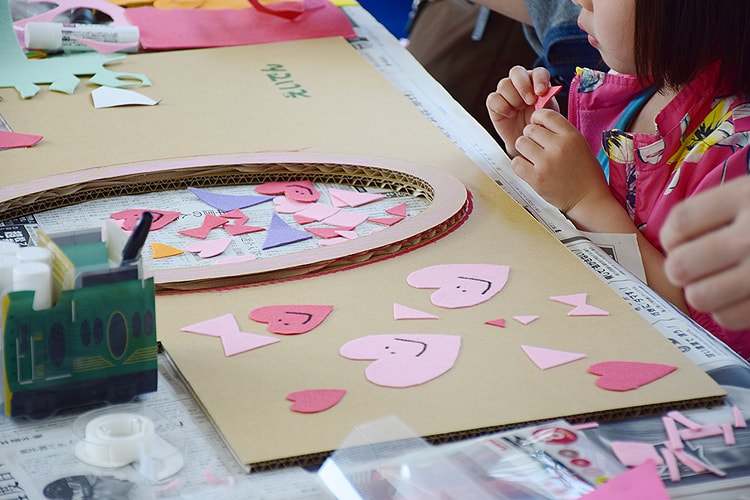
pixel 628 375
pixel 302 191
pixel 460 285
pixel 291 319
pixel 315 400
pixel 404 360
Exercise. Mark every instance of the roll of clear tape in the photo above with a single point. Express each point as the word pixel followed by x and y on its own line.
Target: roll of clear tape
pixel 117 439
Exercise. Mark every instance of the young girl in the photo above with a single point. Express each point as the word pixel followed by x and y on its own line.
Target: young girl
pixel 671 120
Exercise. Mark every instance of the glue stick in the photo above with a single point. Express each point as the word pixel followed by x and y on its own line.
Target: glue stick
pixel 55 37
pixel 7 263
pixel 37 277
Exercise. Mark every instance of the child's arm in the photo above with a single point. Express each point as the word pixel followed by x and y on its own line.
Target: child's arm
pixel 555 159
pixel 511 105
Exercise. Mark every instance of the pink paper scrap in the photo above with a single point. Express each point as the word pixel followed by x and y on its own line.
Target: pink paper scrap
pixel 346 219
pixel 705 431
pixel 542 100
pixel 633 453
pixel 673 434
pixel 682 419
pixel 643 481
pixel 186 28
pixel 209 248
pixel 739 418
pixel 9 140
pixel 386 221
pixel 672 465
pixel 728 432
pixel 210 222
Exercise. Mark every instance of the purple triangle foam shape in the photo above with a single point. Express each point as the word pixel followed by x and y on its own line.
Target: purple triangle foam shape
pixel 228 202
pixel 280 233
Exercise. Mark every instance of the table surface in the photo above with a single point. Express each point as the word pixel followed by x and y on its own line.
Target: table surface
pixel 34 452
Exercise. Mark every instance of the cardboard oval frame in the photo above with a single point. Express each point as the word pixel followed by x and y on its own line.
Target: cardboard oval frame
pixel 449 205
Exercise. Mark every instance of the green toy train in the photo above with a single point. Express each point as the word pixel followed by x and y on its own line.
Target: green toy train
pixel 96 343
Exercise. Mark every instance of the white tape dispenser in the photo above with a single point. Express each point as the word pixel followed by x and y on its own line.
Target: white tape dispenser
pixel 117 436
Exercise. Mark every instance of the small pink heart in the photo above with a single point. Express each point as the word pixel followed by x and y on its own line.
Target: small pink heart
pixel 628 375
pixel 291 319
pixel 315 400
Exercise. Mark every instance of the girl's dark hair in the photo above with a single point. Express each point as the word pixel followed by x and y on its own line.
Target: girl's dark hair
pixel 676 39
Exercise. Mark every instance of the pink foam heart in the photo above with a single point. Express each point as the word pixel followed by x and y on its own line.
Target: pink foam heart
pixel 628 375
pixel 460 285
pixel 315 400
pixel 302 191
pixel 404 360
pixel 291 319
pixel 209 248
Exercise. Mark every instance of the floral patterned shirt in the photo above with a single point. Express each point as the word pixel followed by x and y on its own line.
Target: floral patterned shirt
pixel 699 142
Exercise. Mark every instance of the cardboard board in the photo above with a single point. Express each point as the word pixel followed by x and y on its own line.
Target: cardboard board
pixel 221 101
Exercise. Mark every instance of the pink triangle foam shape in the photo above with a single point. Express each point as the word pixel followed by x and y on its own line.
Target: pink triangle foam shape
pixel 525 320
pixel 401 311
pixel 549 358
pixel 398 210
pixel 496 322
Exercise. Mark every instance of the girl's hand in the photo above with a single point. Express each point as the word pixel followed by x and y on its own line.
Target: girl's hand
pixel 511 105
pixel 555 159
